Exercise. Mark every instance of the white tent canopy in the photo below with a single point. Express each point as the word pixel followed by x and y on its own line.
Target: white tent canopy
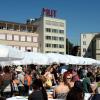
pixel 49 58
pixel 72 59
pixel 33 58
pixel 57 58
pixel 89 61
pixel 8 54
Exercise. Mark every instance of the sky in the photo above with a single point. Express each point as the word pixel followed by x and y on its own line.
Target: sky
pixel 81 16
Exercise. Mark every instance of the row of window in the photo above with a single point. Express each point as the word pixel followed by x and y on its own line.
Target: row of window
pixel 54 45
pixel 54 30
pixel 12 29
pixel 18 38
pixel 54 38
pixel 53 23
pixel 24 48
pixel 54 52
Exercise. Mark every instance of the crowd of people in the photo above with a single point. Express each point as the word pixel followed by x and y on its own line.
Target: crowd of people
pixel 62 81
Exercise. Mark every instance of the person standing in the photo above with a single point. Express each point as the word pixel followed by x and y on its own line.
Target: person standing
pixel 6 87
pixel 20 78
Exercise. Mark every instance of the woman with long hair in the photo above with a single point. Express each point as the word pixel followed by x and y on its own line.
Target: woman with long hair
pixel 76 93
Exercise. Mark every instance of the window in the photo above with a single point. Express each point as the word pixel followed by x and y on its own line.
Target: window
pixel 22 48
pixel 61 52
pixel 61 46
pixel 16 37
pixel 84 49
pixel 29 38
pixel 48 37
pixel 84 35
pixel 61 31
pixel 54 38
pixel 48 45
pixel 98 56
pixel 61 24
pixel 48 30
pixel 34 49
pixel 29 48
pixel 54 52
pixel 48 51
pixel 35 39
pixel 61 38
pixel 54 45
pixel 54 23
pixel 84 42
pixel 48 22
pixel 22 38
pixel 9 36
pixel 2 36
pixel 54 30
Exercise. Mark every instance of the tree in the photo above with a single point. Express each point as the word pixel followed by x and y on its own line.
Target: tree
pixel 69 47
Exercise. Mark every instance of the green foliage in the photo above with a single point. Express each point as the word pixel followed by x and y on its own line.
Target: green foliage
pixel 69 47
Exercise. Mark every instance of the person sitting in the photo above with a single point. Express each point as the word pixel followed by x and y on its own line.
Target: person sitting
pixel 39 92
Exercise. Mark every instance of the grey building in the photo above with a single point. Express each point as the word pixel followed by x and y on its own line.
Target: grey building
pixel 90 45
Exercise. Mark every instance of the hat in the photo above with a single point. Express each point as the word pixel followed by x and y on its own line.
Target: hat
pixel 19 69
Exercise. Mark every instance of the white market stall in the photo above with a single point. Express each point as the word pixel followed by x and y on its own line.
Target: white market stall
pixel 57 58
pixel 33 58
pixel 9 54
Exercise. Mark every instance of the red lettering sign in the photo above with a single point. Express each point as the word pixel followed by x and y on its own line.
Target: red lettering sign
pixel 48 12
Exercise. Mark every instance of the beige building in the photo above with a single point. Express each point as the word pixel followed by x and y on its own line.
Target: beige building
pixel 90 45
pixel 52 34
pixel 21 36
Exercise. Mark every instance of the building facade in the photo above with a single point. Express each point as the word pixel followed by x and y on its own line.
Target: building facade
pixel 52 34
pixel 46 34
pixel 21 36
pixel 90 45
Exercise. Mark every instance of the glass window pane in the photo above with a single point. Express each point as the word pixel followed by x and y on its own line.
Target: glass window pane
pixel 35 39
pixel 22 38
pixel 3 36
pixel 16 37
pixel 29 39
pixel 9 36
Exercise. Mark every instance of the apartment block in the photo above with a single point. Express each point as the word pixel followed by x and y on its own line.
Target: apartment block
pixel 90 45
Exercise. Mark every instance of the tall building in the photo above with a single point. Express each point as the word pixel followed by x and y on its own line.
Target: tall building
pixel 19 35
pixel 52 32
pixel 46 34
pixel 90 45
